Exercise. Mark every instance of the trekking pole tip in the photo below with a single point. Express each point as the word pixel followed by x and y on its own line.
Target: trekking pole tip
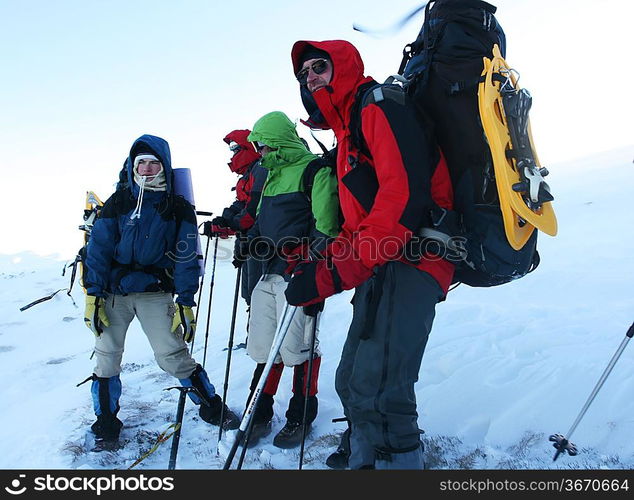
pixel 562 445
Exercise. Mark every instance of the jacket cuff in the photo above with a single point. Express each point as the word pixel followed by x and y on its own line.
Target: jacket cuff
pixel 97 292
pixel 186 299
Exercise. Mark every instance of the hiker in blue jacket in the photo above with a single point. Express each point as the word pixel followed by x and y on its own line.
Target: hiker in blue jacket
pixel 142 253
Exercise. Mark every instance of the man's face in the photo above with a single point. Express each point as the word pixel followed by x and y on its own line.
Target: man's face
pixel 317 73
pixel 149 168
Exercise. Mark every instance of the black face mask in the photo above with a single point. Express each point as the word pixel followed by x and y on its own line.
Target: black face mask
pixel 315 118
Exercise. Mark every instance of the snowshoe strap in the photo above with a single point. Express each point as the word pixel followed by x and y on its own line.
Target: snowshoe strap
pixel 462 85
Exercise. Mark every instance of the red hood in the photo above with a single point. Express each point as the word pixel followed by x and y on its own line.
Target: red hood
pixel 241 160
pixel 336 99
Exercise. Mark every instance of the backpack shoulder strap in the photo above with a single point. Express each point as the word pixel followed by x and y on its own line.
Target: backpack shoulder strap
pixel 308 177
pixel 183 210
pixel 371 93
pixel 119 203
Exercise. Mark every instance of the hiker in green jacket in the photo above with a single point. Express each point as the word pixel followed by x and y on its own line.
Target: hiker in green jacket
pixel 299 208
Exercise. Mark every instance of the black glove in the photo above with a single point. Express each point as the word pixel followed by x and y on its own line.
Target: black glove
pixel 220 221
pixel 313 309
pixel 207 229
pixel 240 252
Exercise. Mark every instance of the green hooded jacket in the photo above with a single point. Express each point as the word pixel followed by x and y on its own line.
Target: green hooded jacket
pixel 285 209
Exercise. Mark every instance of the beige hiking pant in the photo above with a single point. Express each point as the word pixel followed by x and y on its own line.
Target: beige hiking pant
pixel 155 311
pixel 267 306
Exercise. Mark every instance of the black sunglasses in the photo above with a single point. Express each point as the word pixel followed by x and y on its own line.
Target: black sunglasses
pixel 318 67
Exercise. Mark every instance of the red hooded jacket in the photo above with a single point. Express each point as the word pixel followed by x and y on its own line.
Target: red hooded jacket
pixel 241 214
pixel 409 172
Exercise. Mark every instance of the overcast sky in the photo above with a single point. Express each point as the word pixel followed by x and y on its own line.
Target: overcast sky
pixel 82 79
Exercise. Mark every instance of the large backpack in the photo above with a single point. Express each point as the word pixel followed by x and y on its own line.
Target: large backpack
pixel 443 74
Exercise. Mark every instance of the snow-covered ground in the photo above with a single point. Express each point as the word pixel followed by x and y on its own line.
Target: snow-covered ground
pixel 505 367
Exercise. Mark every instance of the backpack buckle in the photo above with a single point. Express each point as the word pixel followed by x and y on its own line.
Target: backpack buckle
pixel 438 215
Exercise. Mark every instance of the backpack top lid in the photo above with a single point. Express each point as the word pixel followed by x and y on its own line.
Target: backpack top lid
pixel 453 32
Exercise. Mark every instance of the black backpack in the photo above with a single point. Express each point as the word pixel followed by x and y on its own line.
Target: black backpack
pixel 439 75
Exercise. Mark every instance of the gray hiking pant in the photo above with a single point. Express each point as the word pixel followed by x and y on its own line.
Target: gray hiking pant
pixel 376 374
pixel 155 311
pixel 267 305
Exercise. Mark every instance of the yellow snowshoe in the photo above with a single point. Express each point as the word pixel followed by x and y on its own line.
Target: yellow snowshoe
pixel 91 212
pixel 525 198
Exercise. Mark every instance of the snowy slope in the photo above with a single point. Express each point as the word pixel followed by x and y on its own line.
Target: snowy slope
pixel 504 367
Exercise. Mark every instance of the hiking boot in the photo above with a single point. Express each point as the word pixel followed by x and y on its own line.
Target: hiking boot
pixel 105 393
pixel 211 414
pixel 290 435
pixel 339 459
pixel 258 431
pixel 107 427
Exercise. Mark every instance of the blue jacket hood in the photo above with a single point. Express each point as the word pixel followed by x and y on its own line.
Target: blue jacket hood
pixel 161 150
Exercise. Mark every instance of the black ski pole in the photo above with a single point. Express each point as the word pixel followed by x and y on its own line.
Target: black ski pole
pixel 182 398
pixel 200 291
pixel 211 292
pixel 236 294
pixel 562 442
pixel 280 334
pixel 309 378
pixel 177 435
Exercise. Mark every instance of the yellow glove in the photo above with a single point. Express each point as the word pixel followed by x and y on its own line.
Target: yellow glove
pixel 95 314
pixel 185 317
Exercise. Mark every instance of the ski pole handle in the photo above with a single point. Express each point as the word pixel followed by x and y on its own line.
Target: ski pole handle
pixel 630 332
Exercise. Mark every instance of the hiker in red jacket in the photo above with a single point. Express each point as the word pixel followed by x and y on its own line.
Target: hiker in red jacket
pixel 240 216
pixel 392 182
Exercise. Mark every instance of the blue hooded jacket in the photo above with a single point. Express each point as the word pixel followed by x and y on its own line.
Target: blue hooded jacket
pixel 153 253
